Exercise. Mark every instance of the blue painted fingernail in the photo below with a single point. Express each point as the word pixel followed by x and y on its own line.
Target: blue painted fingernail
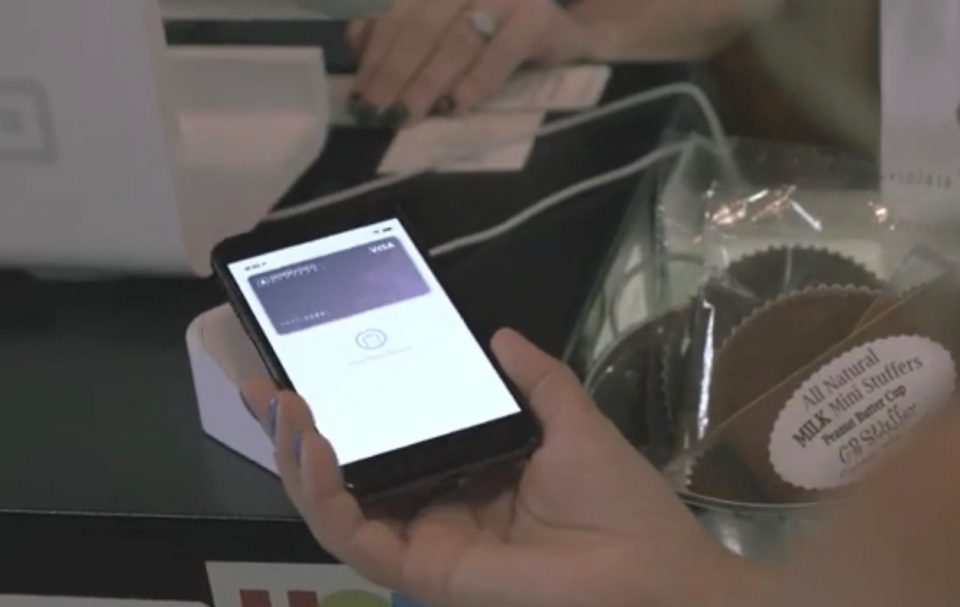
pixel 272 416
pixel 297 447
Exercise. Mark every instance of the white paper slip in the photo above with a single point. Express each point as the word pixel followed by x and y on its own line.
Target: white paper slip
pixel 477 135
pixel 558 89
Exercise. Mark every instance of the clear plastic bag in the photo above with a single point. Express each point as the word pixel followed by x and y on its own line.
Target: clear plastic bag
pixel 759 287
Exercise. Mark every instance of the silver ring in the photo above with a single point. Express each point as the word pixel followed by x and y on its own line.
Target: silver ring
pixel 483 23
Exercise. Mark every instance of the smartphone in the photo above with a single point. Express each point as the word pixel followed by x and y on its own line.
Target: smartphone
pixel 352 317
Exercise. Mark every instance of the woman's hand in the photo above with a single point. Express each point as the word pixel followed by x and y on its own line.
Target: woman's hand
pixel 589 523
pixel 442 56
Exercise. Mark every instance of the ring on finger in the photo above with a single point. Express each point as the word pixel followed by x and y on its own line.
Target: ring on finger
pixel 484 23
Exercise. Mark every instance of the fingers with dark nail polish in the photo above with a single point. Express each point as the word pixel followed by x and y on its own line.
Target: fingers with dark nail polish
pixel 368 114
pixel 444 106
pixel 365 113
pixel 395 115
pixel 353 102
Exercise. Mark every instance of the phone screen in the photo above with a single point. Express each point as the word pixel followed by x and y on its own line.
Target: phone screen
pixel 368 337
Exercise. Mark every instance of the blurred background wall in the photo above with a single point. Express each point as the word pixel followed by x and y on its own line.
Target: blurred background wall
pixel 811 74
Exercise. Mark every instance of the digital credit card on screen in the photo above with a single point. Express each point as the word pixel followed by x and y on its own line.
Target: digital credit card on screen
pixel 336 286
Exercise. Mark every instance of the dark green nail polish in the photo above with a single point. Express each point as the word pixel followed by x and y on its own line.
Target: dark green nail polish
pixel 366 114
pixel 444 106
pixel 354 101
pixel 395 115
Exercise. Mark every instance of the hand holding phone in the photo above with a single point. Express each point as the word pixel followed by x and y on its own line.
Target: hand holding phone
pixel 589 522
pixel 351 316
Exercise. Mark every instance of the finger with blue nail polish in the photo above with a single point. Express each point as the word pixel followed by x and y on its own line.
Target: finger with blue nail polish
pixel 257 394
pixel 289 422
pixel 298 448
pixel 293 422
pixel 246 404
pixel 271 426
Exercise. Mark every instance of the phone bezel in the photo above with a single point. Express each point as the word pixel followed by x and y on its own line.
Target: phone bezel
pixel 434 461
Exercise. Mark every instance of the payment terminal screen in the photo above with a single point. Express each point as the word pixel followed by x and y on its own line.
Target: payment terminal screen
pixel 371 341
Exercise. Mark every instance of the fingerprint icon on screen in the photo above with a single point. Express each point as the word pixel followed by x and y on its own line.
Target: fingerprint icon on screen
pixel 372 339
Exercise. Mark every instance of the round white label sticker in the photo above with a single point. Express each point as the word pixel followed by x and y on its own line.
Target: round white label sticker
pixel 854 406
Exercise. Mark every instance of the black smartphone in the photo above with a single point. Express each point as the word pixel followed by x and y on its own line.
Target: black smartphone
pixel 351 316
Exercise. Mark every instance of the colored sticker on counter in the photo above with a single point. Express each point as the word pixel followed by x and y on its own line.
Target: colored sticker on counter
pixel 238 584
pixel 852 408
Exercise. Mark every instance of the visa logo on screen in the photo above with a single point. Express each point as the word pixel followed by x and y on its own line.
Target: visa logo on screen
pixel 380 248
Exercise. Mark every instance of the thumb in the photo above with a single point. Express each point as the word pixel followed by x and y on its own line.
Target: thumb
pixel 550 388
